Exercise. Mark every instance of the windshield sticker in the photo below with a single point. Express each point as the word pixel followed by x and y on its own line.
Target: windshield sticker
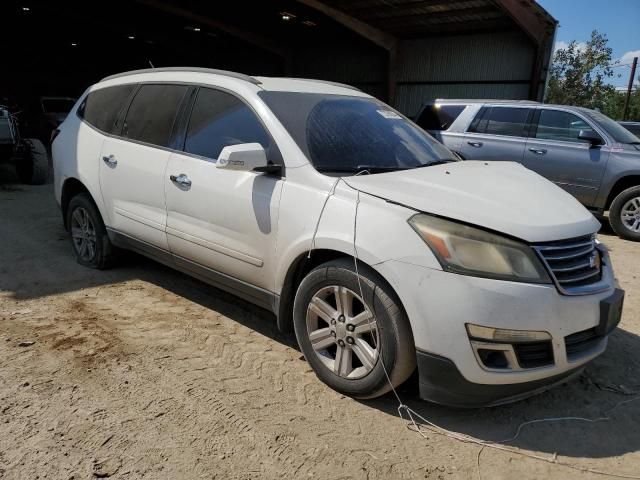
pixel 390 114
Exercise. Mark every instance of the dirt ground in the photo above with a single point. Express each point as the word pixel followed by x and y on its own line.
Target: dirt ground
pixel 142 372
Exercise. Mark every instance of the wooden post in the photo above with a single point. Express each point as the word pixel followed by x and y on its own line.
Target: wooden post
pixel 629 88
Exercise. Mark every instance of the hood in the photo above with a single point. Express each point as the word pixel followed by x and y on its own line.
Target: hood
pixel 501 196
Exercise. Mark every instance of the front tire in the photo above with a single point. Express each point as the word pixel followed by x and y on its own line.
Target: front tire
pixel 349 338
pixel 624 214
pixel 89 240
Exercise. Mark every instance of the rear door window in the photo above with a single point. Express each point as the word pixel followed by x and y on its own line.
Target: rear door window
pixel 505 121
pixel 101 108
pixel 219 119
pixel 439 117
pixel 559 125
pixel 152 113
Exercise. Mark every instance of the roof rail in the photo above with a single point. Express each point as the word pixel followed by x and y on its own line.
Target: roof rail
pixel 226 73
pixel 326 82
pixel 483 100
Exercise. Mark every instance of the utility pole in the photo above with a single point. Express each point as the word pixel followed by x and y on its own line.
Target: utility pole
pixel 631 79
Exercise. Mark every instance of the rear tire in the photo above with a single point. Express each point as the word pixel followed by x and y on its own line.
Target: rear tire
pixel 89 240
pixel 348 351
pixel 33 168
pixel 624 214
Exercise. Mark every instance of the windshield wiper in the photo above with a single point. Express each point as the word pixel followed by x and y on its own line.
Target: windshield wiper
pixel 360 168
pixel 380 168
pixel 438 162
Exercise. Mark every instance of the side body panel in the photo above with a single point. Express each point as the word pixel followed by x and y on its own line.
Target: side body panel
pixel 76 154
pixel 226 220
pixel 133 189
pixel 577 167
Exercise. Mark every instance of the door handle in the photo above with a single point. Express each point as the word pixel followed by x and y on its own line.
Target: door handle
pixel 475 144
pixel 181 180
pixel 110 160
pixel 538 151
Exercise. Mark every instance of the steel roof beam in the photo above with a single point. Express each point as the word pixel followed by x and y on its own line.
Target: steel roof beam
pixel 371 33
pixel 540 27
pixel 252 38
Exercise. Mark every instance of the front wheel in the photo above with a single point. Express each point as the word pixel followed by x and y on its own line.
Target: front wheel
pixel 624 214
pixel 358 342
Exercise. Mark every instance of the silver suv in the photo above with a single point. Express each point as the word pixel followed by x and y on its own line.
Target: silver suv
pixel 581 150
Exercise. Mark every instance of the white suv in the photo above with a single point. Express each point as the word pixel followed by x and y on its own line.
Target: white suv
pixel 360 231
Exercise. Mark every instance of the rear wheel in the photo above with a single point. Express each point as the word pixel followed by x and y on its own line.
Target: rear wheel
pixel 91 245
pixel 357 342
pixel 33 168
pixel 624 214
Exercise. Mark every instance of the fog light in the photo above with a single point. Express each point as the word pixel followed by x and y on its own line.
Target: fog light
pixel 493 358
pixel 505 335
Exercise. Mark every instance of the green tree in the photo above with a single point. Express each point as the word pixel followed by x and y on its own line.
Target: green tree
pixel 578 75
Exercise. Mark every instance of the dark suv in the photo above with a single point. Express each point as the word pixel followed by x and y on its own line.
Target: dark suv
pixel 581 150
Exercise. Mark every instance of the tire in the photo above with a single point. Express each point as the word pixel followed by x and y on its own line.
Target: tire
pixel 392 345
pixel 624 214
pixel 101 256
pixel 33 168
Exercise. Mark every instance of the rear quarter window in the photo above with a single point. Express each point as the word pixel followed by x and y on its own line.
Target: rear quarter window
pixel 101 108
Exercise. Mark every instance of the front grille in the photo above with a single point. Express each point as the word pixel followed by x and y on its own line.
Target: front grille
pixel 580 342
pixel 534 354
pixel 574 263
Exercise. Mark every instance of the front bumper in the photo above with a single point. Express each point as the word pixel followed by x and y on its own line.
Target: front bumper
pixel 439 304
pixel 441 382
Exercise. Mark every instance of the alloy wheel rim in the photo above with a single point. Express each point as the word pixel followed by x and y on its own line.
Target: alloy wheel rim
pixel 83 234
pixel 343 332
pixel 630 215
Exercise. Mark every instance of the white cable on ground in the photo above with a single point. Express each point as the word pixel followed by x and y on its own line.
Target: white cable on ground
pixel 402 407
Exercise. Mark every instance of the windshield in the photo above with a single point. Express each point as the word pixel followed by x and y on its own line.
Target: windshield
pixel 613 128
pixel 354 134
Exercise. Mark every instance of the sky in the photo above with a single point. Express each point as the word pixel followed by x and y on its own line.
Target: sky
pixel 619 19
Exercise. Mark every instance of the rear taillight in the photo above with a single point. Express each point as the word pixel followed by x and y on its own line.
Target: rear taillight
pixel 54 134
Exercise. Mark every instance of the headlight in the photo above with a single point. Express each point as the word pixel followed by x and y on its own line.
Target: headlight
pixel 471 251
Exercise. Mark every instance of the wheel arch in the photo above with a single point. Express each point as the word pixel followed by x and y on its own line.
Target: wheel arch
pixel 620 186
pixel 70 188
pixel 301 266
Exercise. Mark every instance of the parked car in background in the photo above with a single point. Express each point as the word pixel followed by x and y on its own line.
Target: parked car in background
pixel 42 115
pixel 329 208
pixel 633 127
pixel 28 155
pixel 583 151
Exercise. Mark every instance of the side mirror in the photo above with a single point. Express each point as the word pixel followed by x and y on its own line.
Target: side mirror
pixel 590 136
pixel 246 157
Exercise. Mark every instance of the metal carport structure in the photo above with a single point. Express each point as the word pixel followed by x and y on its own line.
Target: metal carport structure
pixel 403 51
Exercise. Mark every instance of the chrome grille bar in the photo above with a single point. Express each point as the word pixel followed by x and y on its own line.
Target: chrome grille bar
pixel 574 265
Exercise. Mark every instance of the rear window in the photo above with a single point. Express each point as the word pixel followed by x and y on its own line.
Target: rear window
pixel 506 121
pixel 632 127
pixel 101 107
pixel 57 105
pixel 439 117
pixel 5 131
pixel 152 113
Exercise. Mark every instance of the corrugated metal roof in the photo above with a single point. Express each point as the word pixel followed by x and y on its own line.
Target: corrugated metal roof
pixel 406 18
